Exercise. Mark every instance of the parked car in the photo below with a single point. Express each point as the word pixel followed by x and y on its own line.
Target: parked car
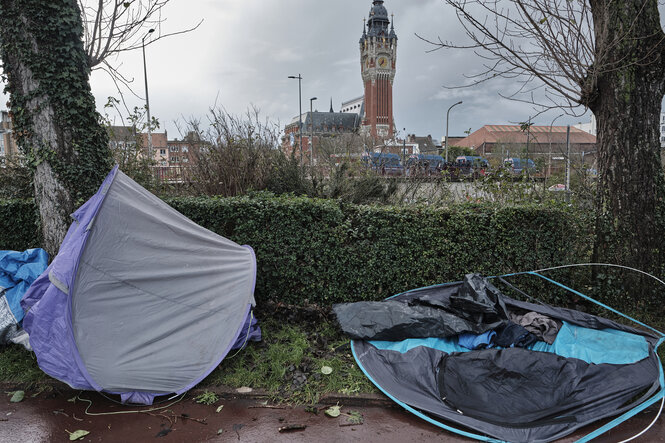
pixel 471 166
pixel 384 163
pixel 422 164
pixel 518 165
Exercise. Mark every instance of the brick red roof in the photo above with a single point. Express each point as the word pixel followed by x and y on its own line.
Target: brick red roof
pixel 513 134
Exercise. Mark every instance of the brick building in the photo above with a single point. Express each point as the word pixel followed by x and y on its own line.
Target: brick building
pixel 172 158
pixel 320 125
pixel 497 142
pixel 7 143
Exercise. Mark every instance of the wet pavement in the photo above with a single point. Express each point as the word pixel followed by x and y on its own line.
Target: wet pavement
pixel 50 417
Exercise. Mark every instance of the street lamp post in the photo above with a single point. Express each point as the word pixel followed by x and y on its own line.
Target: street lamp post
pixel 528 133
pixel 404 147
pixel 447 119
pixel 311 132
pixel 549 158
pixel 568 164
pixel 147 100
pixel 299 77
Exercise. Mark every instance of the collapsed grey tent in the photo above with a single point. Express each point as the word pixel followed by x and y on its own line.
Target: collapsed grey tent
pixel 140 301
pixel 453 355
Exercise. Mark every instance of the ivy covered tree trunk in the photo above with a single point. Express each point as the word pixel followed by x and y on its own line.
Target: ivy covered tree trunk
pixel 52 109
pixel 630 47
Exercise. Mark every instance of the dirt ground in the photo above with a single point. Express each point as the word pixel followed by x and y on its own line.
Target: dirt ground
pixel 50 417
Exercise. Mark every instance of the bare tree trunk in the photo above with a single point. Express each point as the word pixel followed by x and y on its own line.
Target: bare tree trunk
pixel 52 109
pixel 626 103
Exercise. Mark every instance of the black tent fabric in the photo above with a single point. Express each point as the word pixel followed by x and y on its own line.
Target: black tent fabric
pixel 595 368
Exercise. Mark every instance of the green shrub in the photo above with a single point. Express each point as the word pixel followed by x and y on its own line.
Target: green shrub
pixel 19 225
pixel 326 251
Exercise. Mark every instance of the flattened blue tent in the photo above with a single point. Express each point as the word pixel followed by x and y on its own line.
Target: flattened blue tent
pixel 140 301
pixel 415 348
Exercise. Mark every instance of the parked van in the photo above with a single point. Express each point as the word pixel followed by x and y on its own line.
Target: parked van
pixel 517 165
pixel 471 161
pixel 471 165
pixel 384 163
pixel 424 164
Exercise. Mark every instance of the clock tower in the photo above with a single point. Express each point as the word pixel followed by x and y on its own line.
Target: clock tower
pixel 378 53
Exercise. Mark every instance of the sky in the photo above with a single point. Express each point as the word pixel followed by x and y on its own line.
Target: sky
pixel 244 51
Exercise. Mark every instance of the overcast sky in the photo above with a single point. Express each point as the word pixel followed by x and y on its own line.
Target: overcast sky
pixel 244 51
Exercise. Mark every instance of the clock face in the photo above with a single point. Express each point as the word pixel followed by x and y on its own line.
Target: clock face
pixel 382 62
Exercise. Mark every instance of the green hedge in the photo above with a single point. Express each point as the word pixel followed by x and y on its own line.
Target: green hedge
pixel 19 225
pixel 324 251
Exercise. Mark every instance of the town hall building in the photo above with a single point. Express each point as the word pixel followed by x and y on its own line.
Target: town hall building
pixel 370 114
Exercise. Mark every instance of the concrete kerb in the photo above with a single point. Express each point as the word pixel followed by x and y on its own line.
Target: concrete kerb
pixel 223 392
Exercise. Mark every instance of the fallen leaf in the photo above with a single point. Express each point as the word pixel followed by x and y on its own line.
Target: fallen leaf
pixel 220 431
pixel 77 434
pixel 244 390
pixel 355 418
pixel 219 409
pixel 333 411
pixel 326 370
pixel 17 397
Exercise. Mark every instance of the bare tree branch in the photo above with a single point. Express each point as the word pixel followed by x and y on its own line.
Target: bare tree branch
pixel 113 26
pixel 548 42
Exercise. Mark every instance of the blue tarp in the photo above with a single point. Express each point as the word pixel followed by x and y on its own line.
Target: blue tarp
pixel 17 272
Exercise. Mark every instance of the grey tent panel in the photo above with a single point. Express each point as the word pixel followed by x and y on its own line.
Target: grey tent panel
pixel 147 283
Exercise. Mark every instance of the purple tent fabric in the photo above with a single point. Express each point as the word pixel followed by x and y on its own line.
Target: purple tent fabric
pixel 47 303
pixel 140 301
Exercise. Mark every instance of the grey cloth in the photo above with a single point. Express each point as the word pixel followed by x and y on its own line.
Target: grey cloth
pixel 21 338
pixel 8 326
pixel 542 326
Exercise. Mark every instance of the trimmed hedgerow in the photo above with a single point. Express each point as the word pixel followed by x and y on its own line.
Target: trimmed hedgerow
pixel 326 251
